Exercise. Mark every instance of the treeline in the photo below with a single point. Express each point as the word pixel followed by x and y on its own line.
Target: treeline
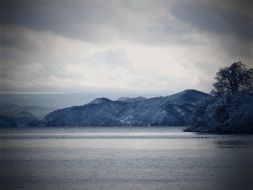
pixel 230 106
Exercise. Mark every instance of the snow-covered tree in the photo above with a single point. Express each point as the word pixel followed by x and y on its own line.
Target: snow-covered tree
pixel 230 108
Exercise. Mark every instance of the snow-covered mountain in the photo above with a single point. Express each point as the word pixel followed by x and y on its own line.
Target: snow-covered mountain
pixel 177 109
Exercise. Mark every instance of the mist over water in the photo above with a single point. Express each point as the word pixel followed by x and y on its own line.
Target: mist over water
pixel 124 158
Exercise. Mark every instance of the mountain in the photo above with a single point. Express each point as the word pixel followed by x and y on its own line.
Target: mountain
pixel 21 116
pixel 16 121
pixel 99 100
pixel 126 99
pixel 177 109
pixel 13 110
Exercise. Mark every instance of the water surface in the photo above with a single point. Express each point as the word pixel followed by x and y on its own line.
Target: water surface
pixel 124 158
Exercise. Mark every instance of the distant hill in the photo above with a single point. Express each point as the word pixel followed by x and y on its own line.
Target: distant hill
pixel 15 110
pixel 21 116
pixel 174 110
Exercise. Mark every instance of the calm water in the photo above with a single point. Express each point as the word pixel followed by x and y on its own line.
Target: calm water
pixel 120 159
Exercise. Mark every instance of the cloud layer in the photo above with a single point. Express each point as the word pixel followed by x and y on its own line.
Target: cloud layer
pixel 132 46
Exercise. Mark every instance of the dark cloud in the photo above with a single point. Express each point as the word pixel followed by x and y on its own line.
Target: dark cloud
pixel 94 21
pixel 243 6
pixel 84 18
pixel 213 17
pixel 70 18
pixel 150 22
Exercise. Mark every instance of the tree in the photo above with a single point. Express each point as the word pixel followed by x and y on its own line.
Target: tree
pixel 231 107
pixel 233 79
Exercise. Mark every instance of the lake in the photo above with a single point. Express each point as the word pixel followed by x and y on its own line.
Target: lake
pixel 123 159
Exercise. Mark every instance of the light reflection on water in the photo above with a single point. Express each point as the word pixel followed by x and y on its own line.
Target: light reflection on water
pixel 124 158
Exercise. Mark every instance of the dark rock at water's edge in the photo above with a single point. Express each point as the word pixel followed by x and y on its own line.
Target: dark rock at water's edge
pixel 174 110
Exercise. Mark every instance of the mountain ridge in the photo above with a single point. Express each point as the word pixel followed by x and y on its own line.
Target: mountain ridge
pixel 176 109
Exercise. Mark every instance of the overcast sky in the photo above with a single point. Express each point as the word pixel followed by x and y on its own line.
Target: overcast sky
pixel 130 46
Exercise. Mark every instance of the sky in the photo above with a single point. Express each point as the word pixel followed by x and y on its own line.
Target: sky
pixel 121 46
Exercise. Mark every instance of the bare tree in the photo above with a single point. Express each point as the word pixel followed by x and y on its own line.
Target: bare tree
pixel 233 79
